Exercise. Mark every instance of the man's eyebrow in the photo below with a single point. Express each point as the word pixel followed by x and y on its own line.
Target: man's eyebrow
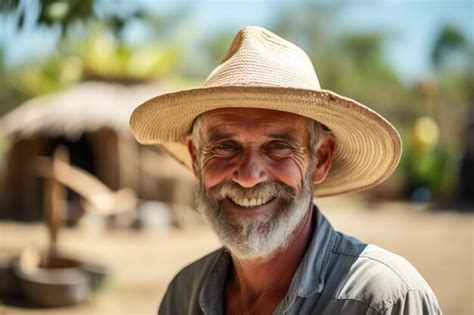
pixel 285 136
pixel 216 136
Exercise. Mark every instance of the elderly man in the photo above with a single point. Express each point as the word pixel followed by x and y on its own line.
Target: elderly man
pixel 263 138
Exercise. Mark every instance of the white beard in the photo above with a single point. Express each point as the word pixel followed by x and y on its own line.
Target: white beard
pixel 260 235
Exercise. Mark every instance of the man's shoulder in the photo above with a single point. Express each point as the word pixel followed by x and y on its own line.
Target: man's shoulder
pixel 182 295
pixel 393 267
pixel 383 280
pixel 197 271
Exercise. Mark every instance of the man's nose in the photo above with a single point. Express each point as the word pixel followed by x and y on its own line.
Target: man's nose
pixel 251 169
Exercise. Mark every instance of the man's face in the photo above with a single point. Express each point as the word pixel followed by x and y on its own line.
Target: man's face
pixel 254 171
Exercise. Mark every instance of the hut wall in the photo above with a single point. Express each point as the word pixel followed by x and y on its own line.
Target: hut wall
pixel 128 160
pixel 22 191
pixel 22 198
pixel 105 147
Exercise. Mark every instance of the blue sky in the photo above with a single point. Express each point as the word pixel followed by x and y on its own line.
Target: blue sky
pixel 412 25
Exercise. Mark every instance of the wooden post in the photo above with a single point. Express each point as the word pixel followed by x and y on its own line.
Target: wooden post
pixel 55 196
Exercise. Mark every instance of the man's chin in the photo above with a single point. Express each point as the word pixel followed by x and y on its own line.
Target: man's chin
pixel 256 255
pixel 246 237
pixel 256 236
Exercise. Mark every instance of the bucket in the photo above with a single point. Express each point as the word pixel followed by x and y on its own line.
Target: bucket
pixel 57 281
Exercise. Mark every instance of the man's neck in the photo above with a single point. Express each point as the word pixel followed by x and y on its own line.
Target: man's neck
pixel 260 284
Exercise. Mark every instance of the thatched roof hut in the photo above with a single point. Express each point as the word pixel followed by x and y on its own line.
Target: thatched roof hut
pixel 82 109
pixel 91 121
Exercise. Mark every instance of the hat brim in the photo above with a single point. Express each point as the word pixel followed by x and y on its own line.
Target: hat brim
pixel 368 146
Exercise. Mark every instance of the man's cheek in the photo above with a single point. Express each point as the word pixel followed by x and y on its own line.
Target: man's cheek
pixel 215 171
pixel 289 172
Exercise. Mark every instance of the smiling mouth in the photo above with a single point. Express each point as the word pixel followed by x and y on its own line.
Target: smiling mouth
pixel 250 202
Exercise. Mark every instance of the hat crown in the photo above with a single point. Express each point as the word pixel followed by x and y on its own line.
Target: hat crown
pixel 257 57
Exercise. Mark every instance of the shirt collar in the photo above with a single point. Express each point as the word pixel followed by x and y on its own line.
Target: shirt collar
pixel 211 297
pixel 311 273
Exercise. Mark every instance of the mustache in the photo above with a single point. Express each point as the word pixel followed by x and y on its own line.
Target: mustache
pixel 264 189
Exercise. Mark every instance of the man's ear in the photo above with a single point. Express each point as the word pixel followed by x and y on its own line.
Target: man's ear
pixel 323 159
pixel 193 152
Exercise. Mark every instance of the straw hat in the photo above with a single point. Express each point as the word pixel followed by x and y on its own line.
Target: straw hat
pixel 262 70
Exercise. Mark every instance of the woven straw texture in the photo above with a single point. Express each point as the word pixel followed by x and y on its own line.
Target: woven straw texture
pixel 262 70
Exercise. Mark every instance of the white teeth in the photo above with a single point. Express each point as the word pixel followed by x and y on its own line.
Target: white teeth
pixel 250 202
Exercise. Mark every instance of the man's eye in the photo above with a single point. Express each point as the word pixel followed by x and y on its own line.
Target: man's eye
pixel 225 146
pixel 225 149
pixel 280 146
pixel 279 149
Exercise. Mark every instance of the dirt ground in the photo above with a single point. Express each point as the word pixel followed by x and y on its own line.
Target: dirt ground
pixel 141 263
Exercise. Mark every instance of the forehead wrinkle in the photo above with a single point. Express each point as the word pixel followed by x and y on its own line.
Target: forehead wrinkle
pixel 221 125
pixel 224 130
pixel 285 136
pixel 216 136
pixel 218 132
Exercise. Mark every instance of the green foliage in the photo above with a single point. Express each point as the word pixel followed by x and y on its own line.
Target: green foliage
pixel 448 40
pixel 217 46
pixel 364 49
pixel 65 12
pixel 47 76
pixel 427 167
pixel 105 57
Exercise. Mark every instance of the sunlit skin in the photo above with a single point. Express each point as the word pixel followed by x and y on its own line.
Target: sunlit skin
pixel 250 146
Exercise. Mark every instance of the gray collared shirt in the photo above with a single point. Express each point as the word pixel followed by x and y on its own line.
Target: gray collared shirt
pixel 338 275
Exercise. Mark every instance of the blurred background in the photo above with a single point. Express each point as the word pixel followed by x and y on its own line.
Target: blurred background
pixel 78 192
